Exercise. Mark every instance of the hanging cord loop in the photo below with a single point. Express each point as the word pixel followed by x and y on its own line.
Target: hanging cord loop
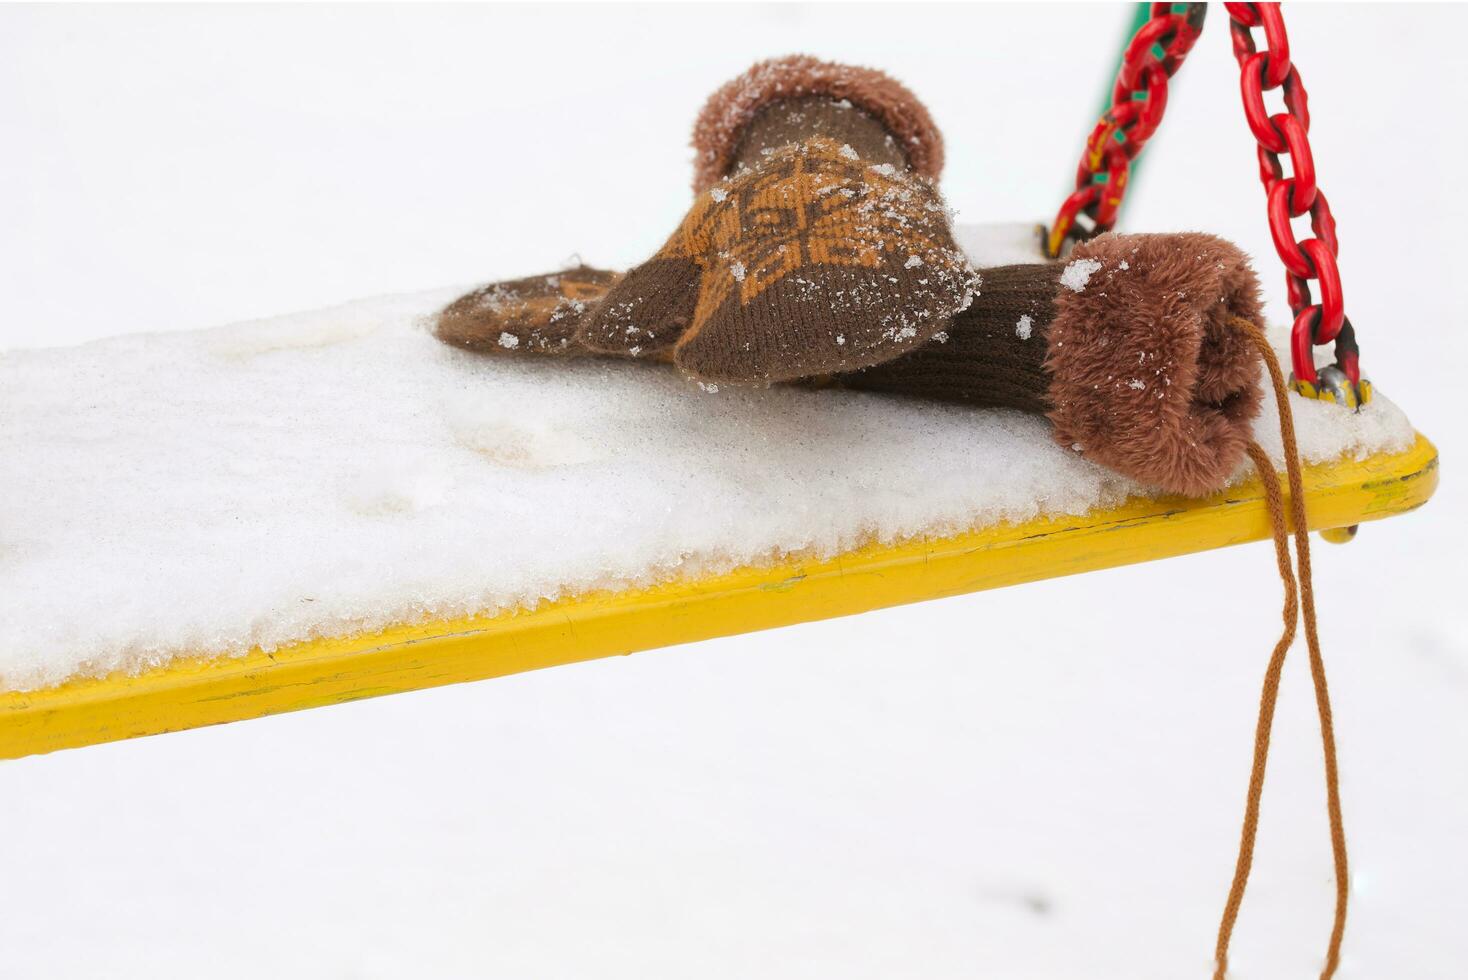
pixel 1299 597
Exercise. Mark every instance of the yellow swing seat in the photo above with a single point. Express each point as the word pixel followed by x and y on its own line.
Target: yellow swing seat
pixel 210 690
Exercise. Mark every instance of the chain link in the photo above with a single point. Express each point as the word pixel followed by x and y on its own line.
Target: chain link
pixel 1138 101
pixel 1288 134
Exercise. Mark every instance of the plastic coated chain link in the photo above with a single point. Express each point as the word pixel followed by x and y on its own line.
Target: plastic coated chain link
pixel 1138 102
pixel 1288 134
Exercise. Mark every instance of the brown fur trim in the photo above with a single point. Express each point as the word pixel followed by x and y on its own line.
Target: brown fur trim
pixel 720 125
pixel 1148 378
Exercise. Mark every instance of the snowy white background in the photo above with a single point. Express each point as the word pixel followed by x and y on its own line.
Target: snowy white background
pixel 1039 782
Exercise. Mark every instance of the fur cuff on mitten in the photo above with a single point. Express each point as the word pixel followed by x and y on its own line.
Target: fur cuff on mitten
pixel 722 127
pixel 1147 374
pixel 1128 349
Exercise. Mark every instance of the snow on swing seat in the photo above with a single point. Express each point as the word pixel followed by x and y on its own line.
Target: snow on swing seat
pixel 213 525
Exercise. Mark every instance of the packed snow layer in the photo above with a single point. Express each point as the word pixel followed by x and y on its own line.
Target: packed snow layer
pixel 341 470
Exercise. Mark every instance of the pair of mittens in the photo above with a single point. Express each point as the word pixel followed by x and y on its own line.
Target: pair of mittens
pixel 1138 363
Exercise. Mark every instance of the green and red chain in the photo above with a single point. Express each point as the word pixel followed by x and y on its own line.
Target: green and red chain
pixel 1138 100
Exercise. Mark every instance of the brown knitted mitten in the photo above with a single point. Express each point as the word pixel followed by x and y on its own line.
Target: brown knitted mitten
pixel 837 226
pixel 817 241
pixel 813 260
pixel 534 315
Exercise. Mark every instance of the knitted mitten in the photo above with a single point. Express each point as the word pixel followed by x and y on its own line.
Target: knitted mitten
pixel 535 315
pixel 812 244
pixel 816 242
pixel 1128 350
pixel 807 263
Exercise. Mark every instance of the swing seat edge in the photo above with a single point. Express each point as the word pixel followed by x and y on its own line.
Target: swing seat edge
pixel 207 690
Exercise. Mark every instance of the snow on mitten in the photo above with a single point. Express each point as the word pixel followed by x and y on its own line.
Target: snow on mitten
pixel 534 315
pixel 818 240
pixel 1128 350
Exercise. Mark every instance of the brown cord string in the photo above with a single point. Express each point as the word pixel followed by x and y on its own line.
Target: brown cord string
pixel 1270 694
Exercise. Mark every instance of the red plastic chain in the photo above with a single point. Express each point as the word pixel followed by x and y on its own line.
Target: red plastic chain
pixel 1138 101
pixel 1288 134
